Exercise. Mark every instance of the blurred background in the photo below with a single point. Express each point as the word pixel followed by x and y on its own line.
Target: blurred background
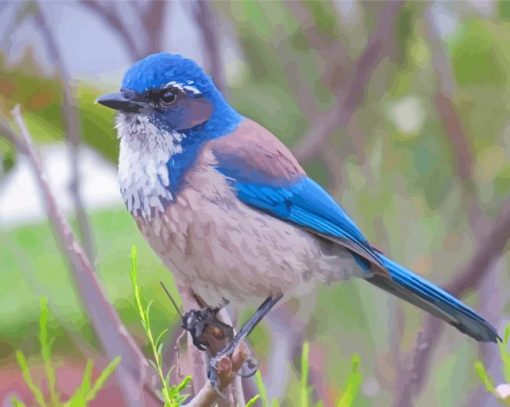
pixel 399 108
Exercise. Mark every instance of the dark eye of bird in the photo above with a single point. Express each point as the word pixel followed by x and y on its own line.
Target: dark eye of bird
pixel 168 97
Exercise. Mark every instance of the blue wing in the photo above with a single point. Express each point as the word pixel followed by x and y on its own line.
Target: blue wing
pixel 304 203
pixel 265 178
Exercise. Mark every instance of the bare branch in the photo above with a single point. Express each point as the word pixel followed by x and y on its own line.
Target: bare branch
pixel 379 45
pixel 107 11
pixel 72 124
pixel 9 135
pixel 206 22
pixel 332 51
pixel 491 242
pixel 132 374
pixel 152 21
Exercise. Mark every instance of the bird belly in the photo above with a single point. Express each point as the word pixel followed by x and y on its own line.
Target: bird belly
pixel 223 249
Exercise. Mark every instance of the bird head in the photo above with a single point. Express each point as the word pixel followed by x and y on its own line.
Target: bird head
pixel 174 94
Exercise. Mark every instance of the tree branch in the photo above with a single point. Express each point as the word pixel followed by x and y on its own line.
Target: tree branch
pixel 72 123
pixel 206 22
pixel 491 242
pixel 132 373
pixel 152 21
pixel 106 11
pixel 378 46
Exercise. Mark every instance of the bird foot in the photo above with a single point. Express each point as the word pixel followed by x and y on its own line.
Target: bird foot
pixel 230 355
pixel 226 365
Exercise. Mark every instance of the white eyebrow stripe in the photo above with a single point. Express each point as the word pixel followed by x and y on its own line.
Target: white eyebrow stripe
pixel 184 88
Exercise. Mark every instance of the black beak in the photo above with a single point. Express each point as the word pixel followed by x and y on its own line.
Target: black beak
pixel 125 101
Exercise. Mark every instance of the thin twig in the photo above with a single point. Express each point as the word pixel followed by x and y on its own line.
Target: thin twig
pixel 379 45
pixel 108 12
pixel 72 124
pixel 7 133
pixel 152 21
pixel 206 22
pixel 330 48
pixel 491 237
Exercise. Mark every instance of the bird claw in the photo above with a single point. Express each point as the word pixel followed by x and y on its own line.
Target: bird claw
pixel 249 367
pixel 212 375
pixel 222 364
pixel 219 366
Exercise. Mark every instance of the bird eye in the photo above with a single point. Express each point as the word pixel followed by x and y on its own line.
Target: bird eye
pixel 168 97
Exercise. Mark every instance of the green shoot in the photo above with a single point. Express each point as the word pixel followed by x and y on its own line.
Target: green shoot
pixel 172 395
pixel 504 351
pixel 348 396
pixel 483 375
pixel 27 376
pixel 84 394
pixel 305 368
pixel 87 392
pixel 252 401
pixel 262 389
pixel 17 403
pixel 46 344
pixel 353 384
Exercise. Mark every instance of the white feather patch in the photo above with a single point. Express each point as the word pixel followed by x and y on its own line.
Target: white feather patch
pixel 184 88
pixel 144 177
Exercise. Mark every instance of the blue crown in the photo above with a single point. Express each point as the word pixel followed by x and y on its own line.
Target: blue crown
pixel 156 70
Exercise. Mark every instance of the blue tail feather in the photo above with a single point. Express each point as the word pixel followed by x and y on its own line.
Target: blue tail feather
pixel 435 300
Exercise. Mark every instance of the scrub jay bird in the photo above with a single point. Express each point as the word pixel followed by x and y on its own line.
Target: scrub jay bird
pixel 229 209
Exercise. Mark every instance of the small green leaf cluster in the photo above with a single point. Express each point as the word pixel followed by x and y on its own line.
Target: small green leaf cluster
pixel 86 391
pixel 502 391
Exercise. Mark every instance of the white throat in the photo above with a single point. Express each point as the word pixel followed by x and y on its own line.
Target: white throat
pixel 143 173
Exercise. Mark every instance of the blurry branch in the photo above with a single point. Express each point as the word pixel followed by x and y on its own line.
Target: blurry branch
pixel 72 123
pixel 330 49
pixel 107 11
pixel 489 250
pixel 132 373
pixel 490 247
pixel 151 17
pixel 491 237
pixel 206 22
pixel 336 60
pixel 8 134
pixel 380 44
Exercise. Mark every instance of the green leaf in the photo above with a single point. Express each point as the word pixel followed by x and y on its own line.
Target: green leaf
pixel 17 403
pixel 305 368
pixel 353 384
pixel 103 377
pixel 252 401
pixel 160 337
pixel 504 352
pixel 504 10
pixel 27 376
pixel 484 377
pixel 262 389
pixel 474 55
pixel 46 345
pixel 78 399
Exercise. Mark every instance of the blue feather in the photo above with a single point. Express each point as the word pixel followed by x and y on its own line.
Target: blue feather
pixel 304 203
pixel 429 297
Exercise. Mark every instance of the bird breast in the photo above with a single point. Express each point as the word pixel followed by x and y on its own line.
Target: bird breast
pixel 222 248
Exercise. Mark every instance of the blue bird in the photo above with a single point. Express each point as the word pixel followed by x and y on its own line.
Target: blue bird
pixel 229 209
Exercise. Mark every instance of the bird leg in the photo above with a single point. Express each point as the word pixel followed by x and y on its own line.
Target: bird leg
pixel 206 329
pixel 260 313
